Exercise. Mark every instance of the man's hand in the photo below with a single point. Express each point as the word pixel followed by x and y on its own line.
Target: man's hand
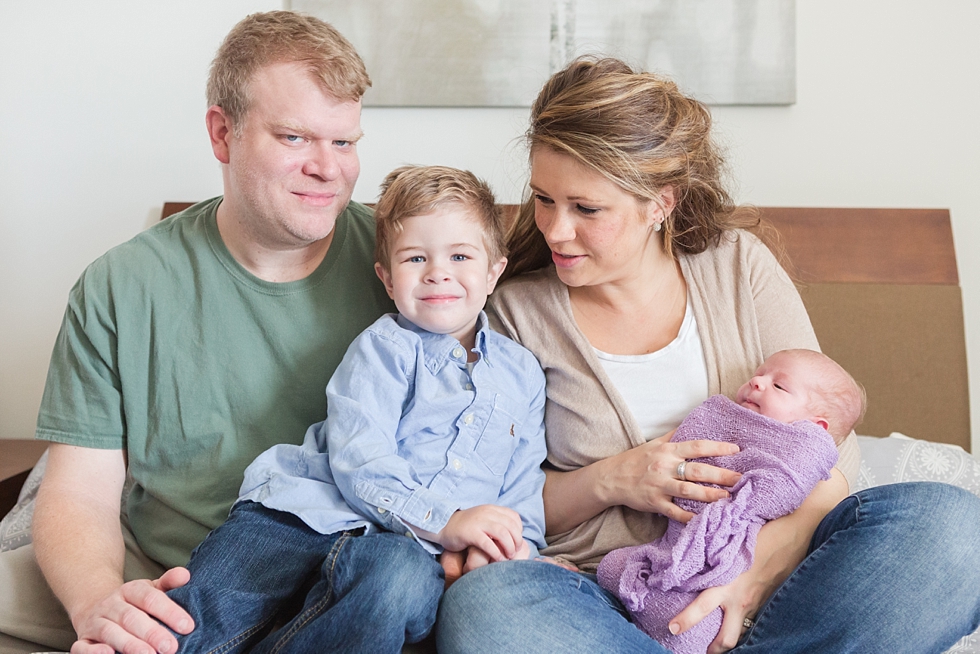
pixel 127 620
pixel 495 530
pixel 79 547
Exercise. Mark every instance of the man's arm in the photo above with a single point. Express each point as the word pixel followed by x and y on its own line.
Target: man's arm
pixel 79 547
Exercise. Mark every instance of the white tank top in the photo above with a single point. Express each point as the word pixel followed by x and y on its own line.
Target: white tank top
pixel 662 387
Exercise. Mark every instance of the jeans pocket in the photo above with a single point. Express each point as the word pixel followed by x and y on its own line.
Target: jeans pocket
pixel 500 436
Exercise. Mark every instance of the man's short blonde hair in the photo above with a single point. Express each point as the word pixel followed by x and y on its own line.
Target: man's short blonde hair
pixel 416 190
pixel 282 37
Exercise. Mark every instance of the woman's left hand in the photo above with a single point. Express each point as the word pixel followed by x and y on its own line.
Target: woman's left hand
pixel 780 546
pixel 738 600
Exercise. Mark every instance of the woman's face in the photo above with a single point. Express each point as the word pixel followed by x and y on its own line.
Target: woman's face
pixel 598 233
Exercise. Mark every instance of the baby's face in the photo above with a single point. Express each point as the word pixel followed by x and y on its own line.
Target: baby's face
pixel 780 389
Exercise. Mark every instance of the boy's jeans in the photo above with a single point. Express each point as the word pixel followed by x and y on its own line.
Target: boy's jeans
pixel 362 592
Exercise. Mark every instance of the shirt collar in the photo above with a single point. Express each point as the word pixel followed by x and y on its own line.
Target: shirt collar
pixel 440 349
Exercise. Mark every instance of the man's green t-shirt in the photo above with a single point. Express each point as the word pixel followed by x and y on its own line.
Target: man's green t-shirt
pixel 173 352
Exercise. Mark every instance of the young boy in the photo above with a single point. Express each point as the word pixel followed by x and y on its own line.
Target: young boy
pixel 787 421
pixel 433 440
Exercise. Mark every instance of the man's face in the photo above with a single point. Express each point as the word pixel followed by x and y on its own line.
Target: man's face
pixel 292 170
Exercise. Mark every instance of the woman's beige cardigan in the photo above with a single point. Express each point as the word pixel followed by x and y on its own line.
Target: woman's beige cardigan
pixel 746 309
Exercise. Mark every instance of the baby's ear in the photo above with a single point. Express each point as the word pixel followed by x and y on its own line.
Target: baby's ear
pixel 821 422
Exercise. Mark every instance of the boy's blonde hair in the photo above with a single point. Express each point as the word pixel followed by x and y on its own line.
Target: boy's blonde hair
pixel 839 397
pixel 276 37
pixel 417 190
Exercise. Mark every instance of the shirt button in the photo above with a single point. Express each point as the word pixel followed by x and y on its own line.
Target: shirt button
pixel 458 352
pixel 381 509
pixel 408 534
pixel 457 464
pixel 468 419
pixel 469 387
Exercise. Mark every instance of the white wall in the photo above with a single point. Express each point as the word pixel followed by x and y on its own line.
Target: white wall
pixel 101 121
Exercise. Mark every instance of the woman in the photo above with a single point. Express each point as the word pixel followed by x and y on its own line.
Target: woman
pixel 642 296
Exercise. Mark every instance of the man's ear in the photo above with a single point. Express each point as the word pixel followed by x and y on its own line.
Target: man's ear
pixel 220 132
pixel 385 278
pixel 496 270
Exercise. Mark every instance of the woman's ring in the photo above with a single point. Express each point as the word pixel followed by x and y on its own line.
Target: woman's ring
pixel 680 470
pixel 748 623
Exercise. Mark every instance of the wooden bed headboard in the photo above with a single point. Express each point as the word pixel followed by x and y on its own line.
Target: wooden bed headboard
pixel 883 294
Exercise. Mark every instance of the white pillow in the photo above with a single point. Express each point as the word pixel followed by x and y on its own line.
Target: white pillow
pixel 15 528
pixel 900 458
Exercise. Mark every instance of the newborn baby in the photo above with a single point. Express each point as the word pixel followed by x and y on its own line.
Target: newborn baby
pixel 787 421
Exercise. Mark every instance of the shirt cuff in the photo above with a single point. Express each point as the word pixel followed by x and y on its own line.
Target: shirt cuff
pixel 422 507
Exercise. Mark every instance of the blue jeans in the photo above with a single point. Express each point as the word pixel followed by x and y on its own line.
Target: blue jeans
pixel 359 593
pixel 891 569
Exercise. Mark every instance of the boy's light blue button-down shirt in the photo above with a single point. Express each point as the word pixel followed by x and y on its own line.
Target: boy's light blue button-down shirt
pixel 413 435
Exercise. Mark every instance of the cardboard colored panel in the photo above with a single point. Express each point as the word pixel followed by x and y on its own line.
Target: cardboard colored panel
pixel 906 344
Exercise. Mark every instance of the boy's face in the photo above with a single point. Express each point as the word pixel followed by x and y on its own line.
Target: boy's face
pixel 440 274
pixel 781 389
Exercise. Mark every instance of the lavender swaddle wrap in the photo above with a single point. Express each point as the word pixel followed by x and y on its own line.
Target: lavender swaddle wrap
pixel 780 464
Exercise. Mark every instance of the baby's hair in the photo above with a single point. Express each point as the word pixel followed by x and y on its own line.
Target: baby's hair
pixel 840 398
pixel 416 190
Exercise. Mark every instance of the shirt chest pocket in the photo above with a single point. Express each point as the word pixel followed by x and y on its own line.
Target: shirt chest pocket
pixel 500 436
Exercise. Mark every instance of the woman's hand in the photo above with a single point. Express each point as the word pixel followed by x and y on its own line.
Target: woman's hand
pixel 643 478
pixel 780 546
pixel 738 600
pixel 646 478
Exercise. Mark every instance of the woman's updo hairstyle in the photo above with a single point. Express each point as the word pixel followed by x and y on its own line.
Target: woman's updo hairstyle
pixel 639 131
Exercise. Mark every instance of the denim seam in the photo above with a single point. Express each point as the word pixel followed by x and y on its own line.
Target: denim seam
pixel 314 611
pixel 240 638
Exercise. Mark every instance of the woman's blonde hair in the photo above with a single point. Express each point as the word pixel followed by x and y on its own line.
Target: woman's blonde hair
pixel 640 132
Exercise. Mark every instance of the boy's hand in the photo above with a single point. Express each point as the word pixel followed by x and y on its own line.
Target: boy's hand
pixel 494 529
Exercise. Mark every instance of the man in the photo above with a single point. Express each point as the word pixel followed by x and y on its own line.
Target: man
pixel 187 351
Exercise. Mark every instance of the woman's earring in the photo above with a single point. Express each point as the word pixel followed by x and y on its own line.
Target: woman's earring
pixel 658 225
